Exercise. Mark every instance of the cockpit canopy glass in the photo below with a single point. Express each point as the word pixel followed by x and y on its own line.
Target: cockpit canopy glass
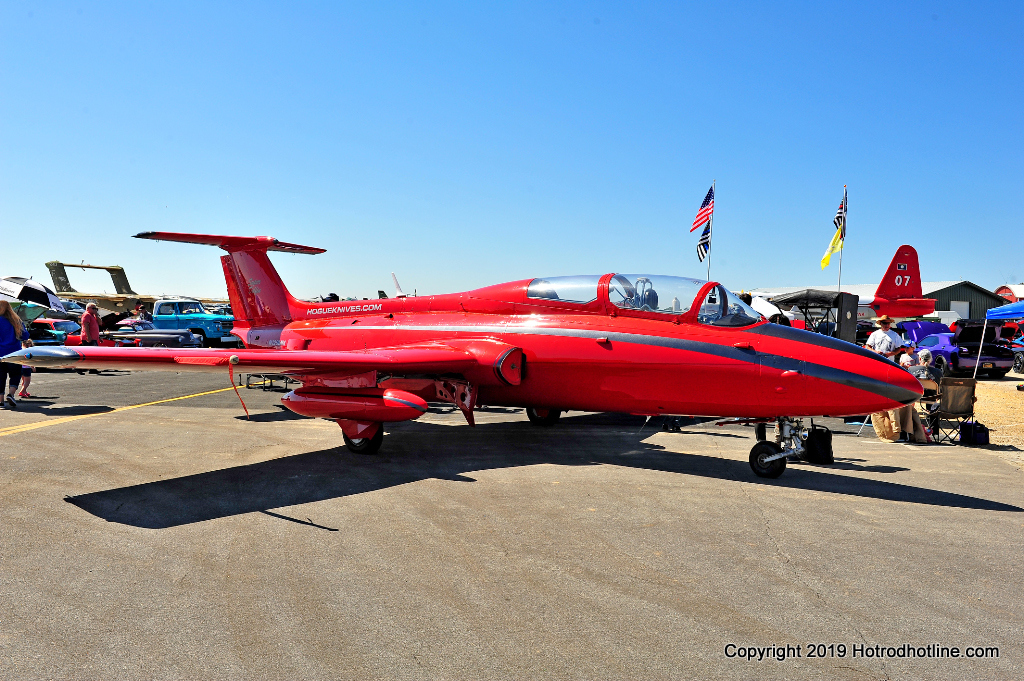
pixel 676 295
pixel 581 288
pixel 721 308
pixel 654 293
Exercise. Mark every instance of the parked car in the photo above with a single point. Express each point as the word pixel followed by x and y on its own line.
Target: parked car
pixel 956 352
pixel 43 333
pixel 145 335
pixel 70 331
pixel 190 314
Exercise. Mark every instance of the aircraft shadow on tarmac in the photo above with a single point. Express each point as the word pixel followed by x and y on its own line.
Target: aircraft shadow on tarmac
pixel 41 406
pixel 281 414
pixel 420 451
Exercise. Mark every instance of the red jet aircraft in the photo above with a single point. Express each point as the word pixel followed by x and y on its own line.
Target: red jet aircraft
pixel 643 344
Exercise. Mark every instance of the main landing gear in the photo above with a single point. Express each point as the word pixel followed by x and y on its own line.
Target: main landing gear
pixel 543 417
pixel 365 445
pixel 792 441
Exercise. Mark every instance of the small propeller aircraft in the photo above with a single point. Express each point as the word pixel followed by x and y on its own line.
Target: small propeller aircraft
pixel 636 343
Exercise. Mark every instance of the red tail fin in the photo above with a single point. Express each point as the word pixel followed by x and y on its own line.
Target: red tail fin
pixel 903 278
pixel 255 289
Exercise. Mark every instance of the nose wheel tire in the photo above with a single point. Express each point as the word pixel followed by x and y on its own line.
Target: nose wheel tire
pixel 770 469
pixel 543 417
pixel 365 445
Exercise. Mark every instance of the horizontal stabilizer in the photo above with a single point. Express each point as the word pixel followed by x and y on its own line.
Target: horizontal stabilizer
pixel 232 243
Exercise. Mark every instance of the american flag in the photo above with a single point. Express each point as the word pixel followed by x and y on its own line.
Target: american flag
pixel 706 209
pixel 840 221
pixel 704 245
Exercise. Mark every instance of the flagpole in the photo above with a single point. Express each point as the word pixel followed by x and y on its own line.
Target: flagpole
pixel 711 228
pixel 846 209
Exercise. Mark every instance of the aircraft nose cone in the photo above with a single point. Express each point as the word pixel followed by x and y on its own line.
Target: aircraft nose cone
pixel 857 384
pixel 841 378
pixel 903 380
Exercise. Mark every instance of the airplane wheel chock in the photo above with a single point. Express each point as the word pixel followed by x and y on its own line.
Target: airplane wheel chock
pixel 767 460
pixel 365 445
pixel 543 417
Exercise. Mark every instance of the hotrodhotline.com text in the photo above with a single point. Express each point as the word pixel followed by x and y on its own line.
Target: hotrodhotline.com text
pixel 857 650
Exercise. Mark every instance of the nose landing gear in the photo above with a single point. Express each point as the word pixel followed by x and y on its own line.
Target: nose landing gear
pixel 768 459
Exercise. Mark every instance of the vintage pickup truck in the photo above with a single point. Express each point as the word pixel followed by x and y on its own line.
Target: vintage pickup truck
pixel 189 314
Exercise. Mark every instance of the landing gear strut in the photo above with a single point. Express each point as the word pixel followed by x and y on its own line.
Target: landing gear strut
pixel 768 459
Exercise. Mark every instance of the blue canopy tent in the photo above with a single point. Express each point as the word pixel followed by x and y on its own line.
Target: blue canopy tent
pixel 1001 313
pixel 1011 311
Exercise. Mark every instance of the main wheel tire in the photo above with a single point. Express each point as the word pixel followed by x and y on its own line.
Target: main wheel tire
pixel 543 417
pixel 761 451
pixel 365 445
pixel 761 432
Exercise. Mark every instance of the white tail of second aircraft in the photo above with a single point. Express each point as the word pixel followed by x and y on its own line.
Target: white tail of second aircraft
pixel 399 293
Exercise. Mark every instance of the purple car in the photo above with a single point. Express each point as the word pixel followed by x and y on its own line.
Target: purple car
pixel 956 352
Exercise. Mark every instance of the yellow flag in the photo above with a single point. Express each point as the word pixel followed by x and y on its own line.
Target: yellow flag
pixel 834 247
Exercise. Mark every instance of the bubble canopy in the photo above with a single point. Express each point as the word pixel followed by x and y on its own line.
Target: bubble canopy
pixel 650 293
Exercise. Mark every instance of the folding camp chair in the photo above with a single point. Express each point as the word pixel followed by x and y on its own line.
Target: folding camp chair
pixel 956 405
pixel 930 398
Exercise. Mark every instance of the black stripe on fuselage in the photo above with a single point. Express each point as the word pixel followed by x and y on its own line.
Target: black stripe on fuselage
pixel 811 338
pixel 751 356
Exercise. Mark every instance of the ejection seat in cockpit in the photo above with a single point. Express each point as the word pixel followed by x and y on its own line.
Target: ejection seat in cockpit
pixel 646 297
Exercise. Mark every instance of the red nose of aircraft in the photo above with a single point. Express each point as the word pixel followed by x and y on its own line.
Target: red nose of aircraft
pixel 808 374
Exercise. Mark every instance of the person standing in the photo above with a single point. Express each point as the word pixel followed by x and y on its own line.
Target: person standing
pixel 91 328
pixel 26 373
pixel 12 333
pixel 142 314
pixel 885 341
pixel 91 325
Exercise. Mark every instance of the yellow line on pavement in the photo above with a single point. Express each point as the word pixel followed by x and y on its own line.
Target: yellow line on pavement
pixel 11 430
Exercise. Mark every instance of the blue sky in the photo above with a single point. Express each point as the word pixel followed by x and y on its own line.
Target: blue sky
pixel 463 144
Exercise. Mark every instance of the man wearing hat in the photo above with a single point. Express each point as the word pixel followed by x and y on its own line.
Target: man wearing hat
pixel 142 314
pixel 885 341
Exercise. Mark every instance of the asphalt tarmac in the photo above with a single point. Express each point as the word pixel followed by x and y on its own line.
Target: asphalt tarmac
pixel 182 540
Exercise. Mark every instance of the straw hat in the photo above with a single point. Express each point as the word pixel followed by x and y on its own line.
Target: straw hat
pixel 884 318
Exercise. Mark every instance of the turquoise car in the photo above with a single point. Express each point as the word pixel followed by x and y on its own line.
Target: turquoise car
pixel 210 328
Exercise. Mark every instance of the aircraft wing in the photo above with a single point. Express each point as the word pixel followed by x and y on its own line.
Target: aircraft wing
pixel 483 361
pixel 110 297
pixel 422 358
